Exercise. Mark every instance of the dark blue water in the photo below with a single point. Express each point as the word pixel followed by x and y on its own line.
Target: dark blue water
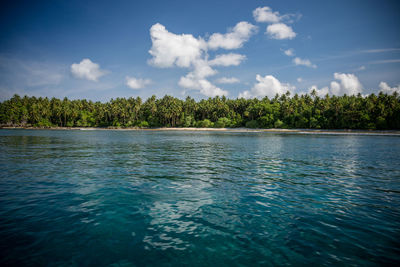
pixel 150 198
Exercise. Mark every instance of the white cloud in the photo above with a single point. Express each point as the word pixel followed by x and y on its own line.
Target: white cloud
pixel 193 82
pixel 385 88
pixel 299 80
pixel 267 86
pixel 303 62
pixel 297 60
pixel 291 18
pixel 171 49
pixel 202 69
pixel 289 52
pixel 230 59
pixel 135 83
pixel 228 80
pixel 280 31
pixel 361 68
pixel 335 88
pixel 88 70
pixel 184 50
pixel 347 84
pixel 265 14
pixel 196 80
pixel 234 39
pixel 320 92
pixel 246 94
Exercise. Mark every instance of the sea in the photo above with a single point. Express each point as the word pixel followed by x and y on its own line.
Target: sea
pixel 198 198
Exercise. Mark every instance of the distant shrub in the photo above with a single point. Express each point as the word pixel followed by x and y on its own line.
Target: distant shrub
pixel 252 124
pixel 278 124
pixel 143 124
pixel 266 121
pixel 222 123
pixel 381 123
pixel 129 124
pixel 204 124
pixel 43 123
pixel 188 121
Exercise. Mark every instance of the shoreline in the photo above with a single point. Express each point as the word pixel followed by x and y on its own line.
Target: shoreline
pixel 238 130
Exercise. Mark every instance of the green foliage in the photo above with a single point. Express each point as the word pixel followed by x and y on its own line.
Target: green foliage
pixel 278 124
pixel 143 124
pixel 380 111
pixel 206 123
pixel 266 121
pixel 43 123
pixel 188 121
pixel 252 124
pixel 222 123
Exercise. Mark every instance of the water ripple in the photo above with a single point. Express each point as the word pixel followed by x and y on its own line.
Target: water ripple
pixel 206 198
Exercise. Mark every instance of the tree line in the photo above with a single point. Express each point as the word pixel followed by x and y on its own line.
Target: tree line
pixel 380 111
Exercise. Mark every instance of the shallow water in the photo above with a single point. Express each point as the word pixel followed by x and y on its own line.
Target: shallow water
pixel 135 198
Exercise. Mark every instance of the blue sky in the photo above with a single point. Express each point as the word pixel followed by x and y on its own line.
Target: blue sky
pixel 100 50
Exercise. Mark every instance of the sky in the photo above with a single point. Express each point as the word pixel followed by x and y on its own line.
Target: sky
pixel 99 50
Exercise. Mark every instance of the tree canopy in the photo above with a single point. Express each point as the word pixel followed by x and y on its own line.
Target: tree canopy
pixel 380 111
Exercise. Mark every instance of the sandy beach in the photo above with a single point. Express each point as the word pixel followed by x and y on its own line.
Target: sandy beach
pixel 236 130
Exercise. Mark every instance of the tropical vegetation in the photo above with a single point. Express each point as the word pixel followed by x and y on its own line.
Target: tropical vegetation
pixel 380 111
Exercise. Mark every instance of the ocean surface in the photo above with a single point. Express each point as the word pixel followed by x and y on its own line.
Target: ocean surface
pixel 178 198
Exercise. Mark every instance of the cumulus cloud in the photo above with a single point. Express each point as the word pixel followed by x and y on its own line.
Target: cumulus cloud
pixel 277 30
pixel 192 81
pixel 88 70
pixel 235 38
pixel 202 69
pixel 171 49
pixel 289 52
pixel 230 59
pixel 385 88
pixel 135 83
pixel 299 61
pixel 299 80
pixel 186 51
pixel 320 92
pixel 265 14
pixel 303 62
pixel 267 86
pixel 280 31
pixel 228 80
pixel 196 80
pixel 346 84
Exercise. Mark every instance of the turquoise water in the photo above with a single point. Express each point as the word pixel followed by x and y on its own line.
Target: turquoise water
pixel 151 198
